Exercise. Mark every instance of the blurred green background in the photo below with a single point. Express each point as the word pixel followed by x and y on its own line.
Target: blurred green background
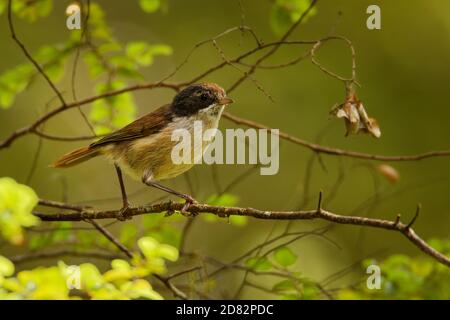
pixel 404 72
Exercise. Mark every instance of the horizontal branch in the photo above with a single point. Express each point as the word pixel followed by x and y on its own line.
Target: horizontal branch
pixel 64 252
pixel 395 225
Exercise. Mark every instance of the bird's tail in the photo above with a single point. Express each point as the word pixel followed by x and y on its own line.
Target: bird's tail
pixel 75 157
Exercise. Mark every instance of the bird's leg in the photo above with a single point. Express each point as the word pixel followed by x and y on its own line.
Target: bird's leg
pixel 125 212
pixel 147 179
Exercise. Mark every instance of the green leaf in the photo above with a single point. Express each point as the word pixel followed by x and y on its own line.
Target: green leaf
pixel 148 246
pixel 259 263
pixel 2 6
pixel 143 53
pixel 6 267
pixel 120 264
pixel 239 221
pixel 31 12
pixel 224 200
pixel 160 49
pixel 112 112
pixel 140 288
pixel 285 13
pixel 128 234
pixel 16 204
pixel 97 24
pixel 168 252
pixel 284 286
pixel 150 6
pixel 285 257
pixel 90 277
pixel 94 65
pixel 12 82
pixel 108 47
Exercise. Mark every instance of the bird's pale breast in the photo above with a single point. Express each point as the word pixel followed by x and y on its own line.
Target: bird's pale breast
pixel 153 153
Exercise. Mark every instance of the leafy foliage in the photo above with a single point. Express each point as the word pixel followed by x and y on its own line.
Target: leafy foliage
pixel 105 57
pixel 18 78
pixel 294 285
pixel 286 12
pixel 112 65
pixel 23 9
pixel 404 277
pixel 16 203
pixel 112 112
pixel 226 200
pixel 123 281
pixel 285 257
pixel 143 53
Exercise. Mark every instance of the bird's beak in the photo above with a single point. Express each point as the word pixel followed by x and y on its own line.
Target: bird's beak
pixel 225 101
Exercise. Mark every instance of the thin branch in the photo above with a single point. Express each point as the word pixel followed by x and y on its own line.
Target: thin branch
pixel 63 252
pixel 61 205
pixel 177 292
pixel 335 151
pixel 225 212
pixel 111 238
pixel 28 55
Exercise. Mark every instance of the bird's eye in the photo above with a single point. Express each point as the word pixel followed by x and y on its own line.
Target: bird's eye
pixel 204 97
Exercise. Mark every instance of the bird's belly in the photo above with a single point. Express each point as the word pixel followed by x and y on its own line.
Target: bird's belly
pixel 153 154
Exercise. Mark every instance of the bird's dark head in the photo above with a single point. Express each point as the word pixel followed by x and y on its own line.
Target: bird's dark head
pixel 198 97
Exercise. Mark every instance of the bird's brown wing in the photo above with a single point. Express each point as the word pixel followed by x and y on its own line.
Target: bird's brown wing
pixel 142 127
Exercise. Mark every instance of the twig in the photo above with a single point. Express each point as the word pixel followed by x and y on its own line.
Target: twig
pixel 61 205
pixel 111 238
pixel 177 292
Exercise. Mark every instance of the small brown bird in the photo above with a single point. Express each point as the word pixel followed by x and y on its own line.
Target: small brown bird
pixel 143 148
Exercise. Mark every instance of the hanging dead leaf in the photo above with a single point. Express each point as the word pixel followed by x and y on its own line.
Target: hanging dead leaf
pixel 355 116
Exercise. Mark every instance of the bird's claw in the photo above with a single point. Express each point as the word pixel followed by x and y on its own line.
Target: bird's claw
pixel 125 213
pixel 184 210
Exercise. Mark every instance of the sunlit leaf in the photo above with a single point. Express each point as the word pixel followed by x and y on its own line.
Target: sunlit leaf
pixel 94 64
pixel 128 234
pixel 12 82
pixel 224 200
pixel 2 6
pixel 16 204
pixel 285 257
pixel 238 220
pixel 150 6
pixel 284 286
pixel 31 12
pixel 6 267
pixel 140 288
pixel 284 13
pixel 259 263
pixel 143 53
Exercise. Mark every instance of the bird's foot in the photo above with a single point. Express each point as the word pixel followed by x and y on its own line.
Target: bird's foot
pixel 125 213
pixel 184 210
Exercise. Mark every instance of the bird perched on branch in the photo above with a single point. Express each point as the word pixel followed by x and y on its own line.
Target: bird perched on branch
pixel 143 148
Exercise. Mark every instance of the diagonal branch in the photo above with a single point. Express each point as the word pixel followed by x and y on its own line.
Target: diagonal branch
pixel 166 281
